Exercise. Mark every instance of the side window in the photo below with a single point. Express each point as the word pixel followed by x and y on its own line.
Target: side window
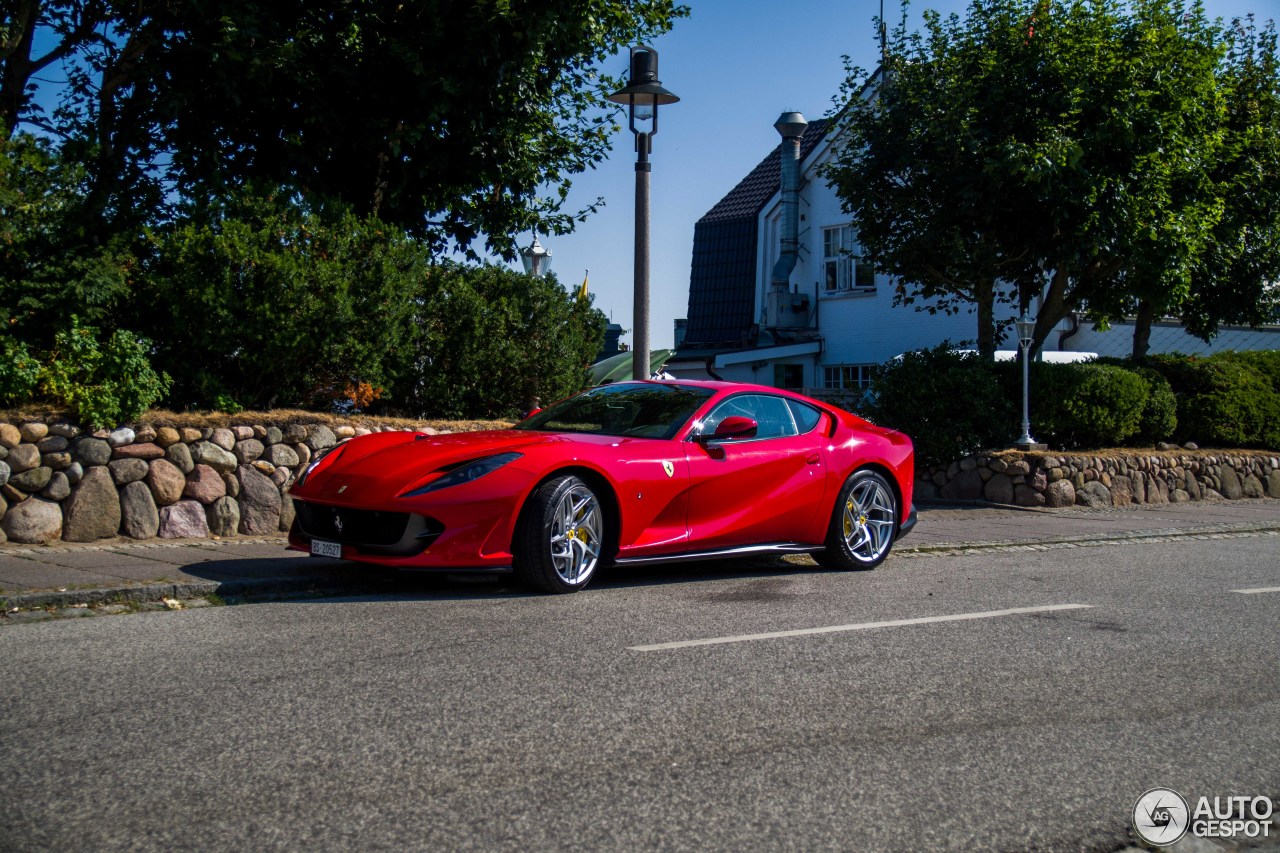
pixel 806 416
pixel 771 413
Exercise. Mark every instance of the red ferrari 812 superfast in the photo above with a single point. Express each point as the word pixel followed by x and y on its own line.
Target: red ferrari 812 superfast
pixel 622 474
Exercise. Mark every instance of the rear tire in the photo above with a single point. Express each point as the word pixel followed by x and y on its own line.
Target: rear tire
pixel 864 523
pixel 561 536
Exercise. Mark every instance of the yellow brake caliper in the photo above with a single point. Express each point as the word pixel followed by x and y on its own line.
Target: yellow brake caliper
pixel 849 523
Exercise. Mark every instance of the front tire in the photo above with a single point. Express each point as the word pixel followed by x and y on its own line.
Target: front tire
pixel 560 537
pixel 864 523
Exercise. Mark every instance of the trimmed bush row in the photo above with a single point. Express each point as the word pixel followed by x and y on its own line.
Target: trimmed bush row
pixel 953 404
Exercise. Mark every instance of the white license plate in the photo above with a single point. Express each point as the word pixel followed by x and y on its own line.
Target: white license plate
pixel 321 548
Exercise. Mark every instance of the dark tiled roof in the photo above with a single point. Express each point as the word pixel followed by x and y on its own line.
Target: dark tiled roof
pixel 722 276
pixel 749 196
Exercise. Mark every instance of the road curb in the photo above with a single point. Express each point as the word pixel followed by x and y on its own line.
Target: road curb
pixel 1216 530
pixel 319 586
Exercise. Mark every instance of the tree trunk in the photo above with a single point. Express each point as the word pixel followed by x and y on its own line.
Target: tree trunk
pixel 984 294
pixel 1142 329
pixel 1052 310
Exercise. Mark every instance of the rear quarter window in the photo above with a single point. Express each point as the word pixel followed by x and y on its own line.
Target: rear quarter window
pixel 806 416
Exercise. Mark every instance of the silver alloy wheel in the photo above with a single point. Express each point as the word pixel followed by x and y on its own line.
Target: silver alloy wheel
pixel 869 520
pixel 577 532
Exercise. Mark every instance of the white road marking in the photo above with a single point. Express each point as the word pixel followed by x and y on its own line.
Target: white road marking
pixel 1257 590
pixel 861 626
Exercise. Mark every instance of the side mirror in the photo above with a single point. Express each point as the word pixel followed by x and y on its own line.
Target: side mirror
pixel 533 412
pixel 732 428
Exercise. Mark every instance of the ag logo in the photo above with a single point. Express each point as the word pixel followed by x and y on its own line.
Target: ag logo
pixel 1160 817
pixel 669 468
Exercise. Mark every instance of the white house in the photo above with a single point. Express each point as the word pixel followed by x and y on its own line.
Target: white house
pixel 779 295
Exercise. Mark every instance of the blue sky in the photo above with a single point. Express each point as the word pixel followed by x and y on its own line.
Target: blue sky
pixel 736 64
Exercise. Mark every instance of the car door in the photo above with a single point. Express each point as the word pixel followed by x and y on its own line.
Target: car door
pixel 760 490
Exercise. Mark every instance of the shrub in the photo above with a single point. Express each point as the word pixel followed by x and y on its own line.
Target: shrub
pixel 19 373
pixel 1223 400
pixel 950 403
pixel 102 385
pixel 1159 420
pixel 1086 405
pixel 1265 362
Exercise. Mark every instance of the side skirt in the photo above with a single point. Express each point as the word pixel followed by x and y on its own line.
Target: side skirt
pixel 722 553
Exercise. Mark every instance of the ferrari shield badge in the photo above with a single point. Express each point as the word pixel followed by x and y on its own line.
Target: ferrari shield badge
pixel 669 468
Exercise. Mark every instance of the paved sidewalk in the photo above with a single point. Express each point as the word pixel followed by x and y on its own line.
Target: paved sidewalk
pixel 65 575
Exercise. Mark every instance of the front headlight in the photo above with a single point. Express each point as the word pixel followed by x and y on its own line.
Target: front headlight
pixel 466 472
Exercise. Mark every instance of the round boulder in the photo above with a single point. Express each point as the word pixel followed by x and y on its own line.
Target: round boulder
pixel 223 516
pixel 213 455
pixel 10 436
pixel 204 485
pixel 127 470
pixel 224 438
pixel 247 450
pixel 93 510
pixel 24 457
pixel 33 522
pixel 180 456
pixel 139 517
pixel 1059 494
pixel 92 451
pixel 259 502
pixel 183 520
pixel 282 454
pixel 33 480
pixel 59 487
pixel 166 482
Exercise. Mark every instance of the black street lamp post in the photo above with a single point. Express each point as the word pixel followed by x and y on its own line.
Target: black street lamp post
pixel 642 97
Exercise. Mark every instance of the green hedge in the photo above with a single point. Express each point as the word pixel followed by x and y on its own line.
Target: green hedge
pixel 1229 399
pixel 952 403
pixel 1083 405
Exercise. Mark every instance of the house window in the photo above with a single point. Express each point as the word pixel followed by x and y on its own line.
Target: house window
pixel 845 268
pixel 788 376
pixel 847 377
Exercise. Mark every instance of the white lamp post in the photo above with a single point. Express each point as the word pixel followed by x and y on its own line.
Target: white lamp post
pixel 1026 327
pixel 537 260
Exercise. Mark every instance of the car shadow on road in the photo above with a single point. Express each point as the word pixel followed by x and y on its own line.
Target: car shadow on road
pixel 253 580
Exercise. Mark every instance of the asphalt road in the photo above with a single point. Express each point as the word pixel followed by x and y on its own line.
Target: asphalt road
pixel 474 717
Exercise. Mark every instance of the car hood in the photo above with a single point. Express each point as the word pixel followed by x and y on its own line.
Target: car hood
pixel 382 465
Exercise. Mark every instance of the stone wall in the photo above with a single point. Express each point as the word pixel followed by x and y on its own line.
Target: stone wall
pixel 1108 479
pixel 58 482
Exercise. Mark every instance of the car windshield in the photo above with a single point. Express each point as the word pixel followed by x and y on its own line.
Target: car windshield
pixel 634 409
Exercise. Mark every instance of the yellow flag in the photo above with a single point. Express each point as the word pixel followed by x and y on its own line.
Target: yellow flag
pixel 582 291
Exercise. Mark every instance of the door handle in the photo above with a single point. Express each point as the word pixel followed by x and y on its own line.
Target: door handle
pixel 813 459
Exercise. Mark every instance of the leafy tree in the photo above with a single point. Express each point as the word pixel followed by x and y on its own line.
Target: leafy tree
pixel 48 269
pixel 443 117
pixel 264 302
pixel 490 342
pixel 1233 279
pixel 1076 138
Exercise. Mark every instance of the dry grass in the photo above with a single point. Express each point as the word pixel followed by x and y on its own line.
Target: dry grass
pixel 277 417
pixel 1129 452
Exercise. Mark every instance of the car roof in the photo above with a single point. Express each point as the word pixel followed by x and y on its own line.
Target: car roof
pixel 714 385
